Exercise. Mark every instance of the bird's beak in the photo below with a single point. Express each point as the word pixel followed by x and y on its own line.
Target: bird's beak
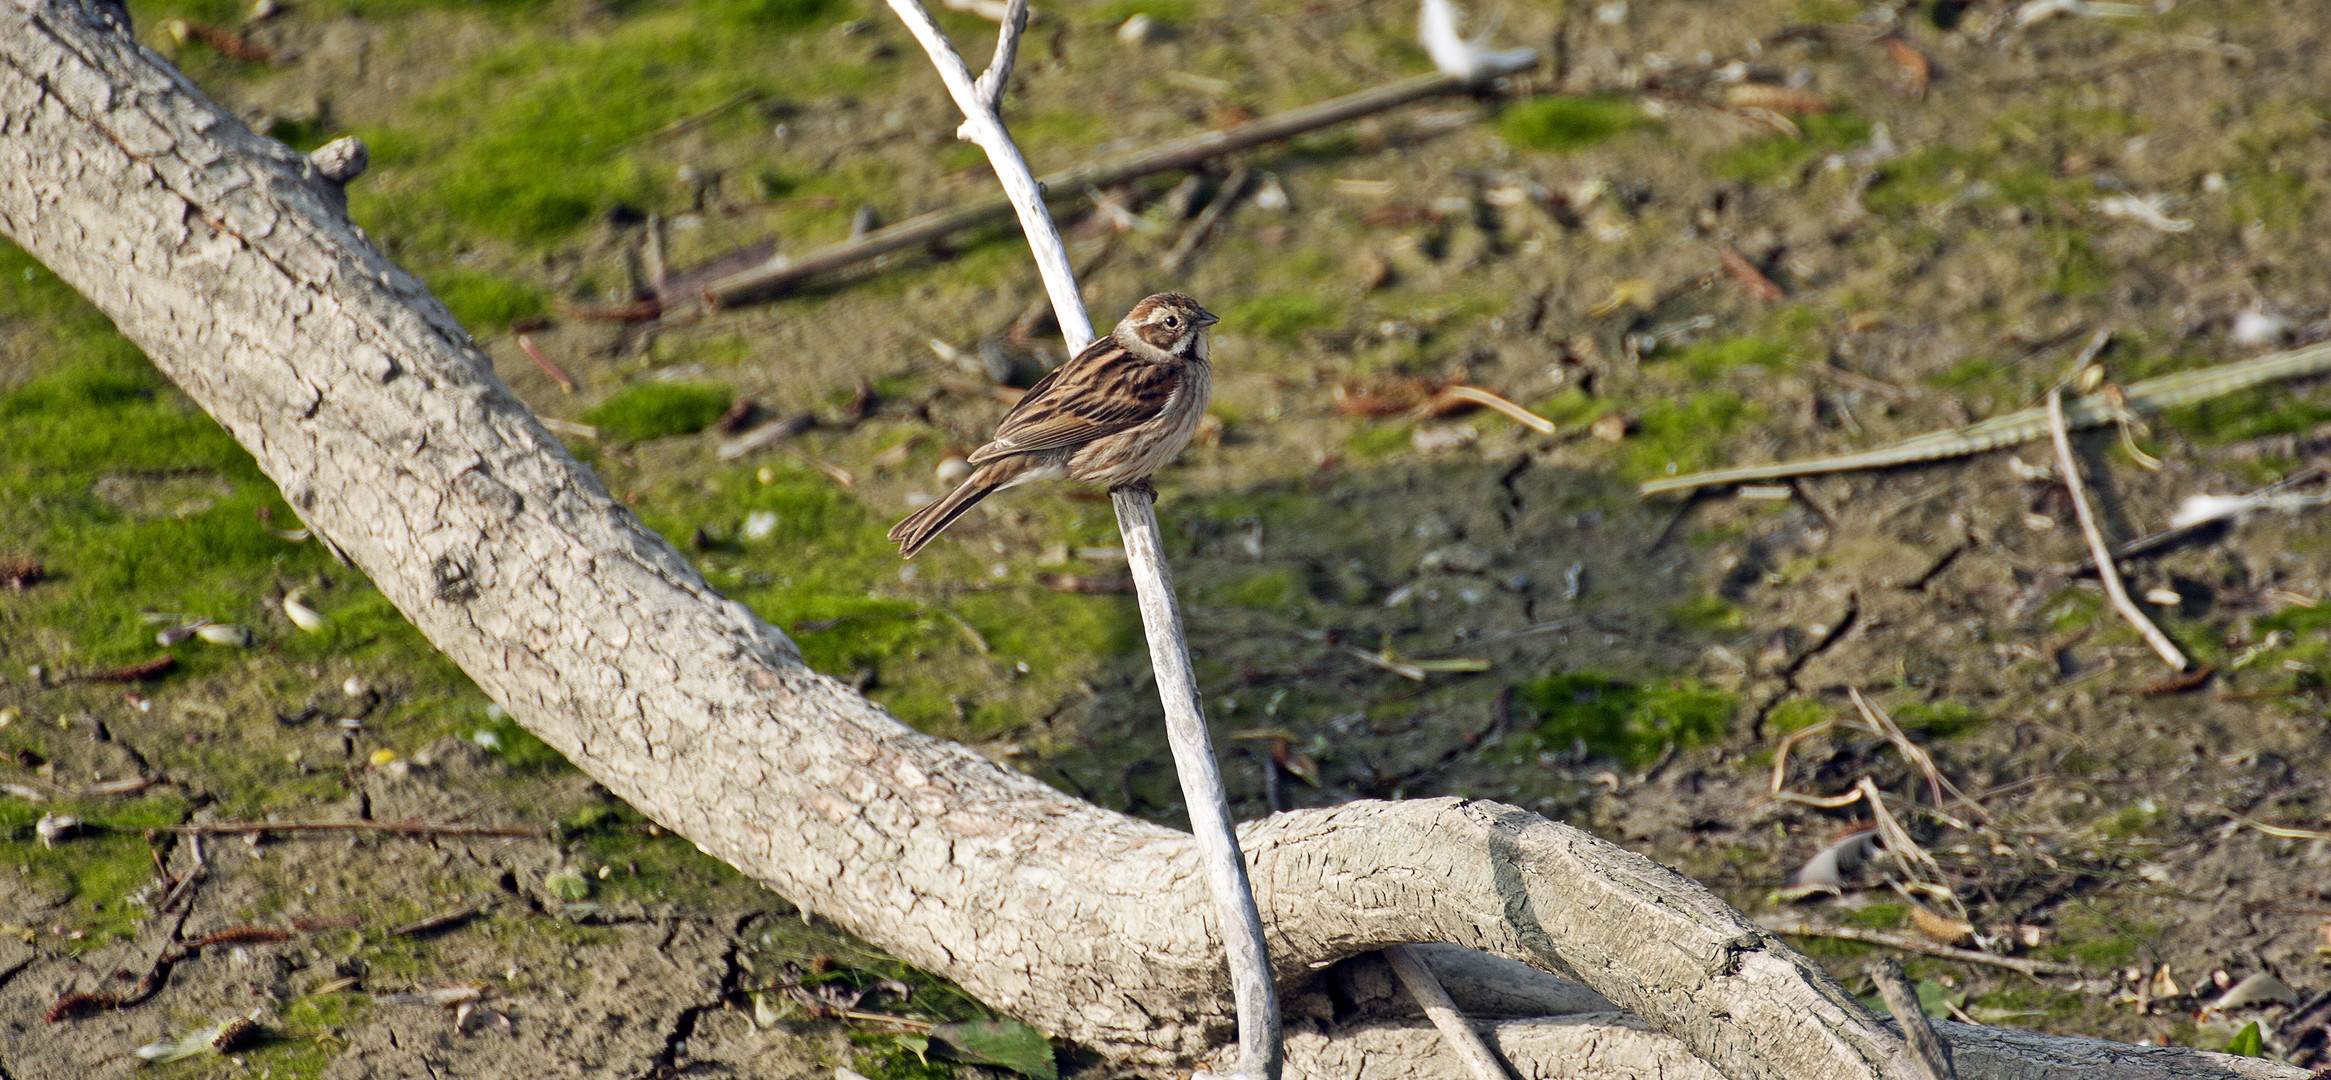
pixel 1207 318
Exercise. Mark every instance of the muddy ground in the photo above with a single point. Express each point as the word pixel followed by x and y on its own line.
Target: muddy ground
pixel 1930 247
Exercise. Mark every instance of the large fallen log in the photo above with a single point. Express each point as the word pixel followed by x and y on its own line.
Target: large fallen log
pixel 229 259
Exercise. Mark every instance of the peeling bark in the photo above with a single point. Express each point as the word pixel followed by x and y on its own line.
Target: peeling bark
pixel 230 261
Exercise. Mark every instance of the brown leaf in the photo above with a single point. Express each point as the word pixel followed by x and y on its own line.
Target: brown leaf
pixel 1749 277
pixel 740 415
pixel 1386 396
pixel 22 574
pixel 1914 66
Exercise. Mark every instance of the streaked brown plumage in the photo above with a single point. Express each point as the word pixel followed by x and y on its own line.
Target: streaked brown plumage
pixel 1113 415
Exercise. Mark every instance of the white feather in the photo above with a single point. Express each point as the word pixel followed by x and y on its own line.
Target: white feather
pixel 2197 509
pixel 2257 327
pixel 1469 60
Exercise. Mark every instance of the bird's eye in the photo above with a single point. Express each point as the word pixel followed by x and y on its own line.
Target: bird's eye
pixel 1173 322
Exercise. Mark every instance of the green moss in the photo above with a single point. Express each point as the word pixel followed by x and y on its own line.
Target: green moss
pixel 1673 436
pixel 1374 441
pixel 1709 359
pixel 2079 271
pixel 1922 179
pixel 652 410
pixel 1630 722
pixel 1780 158
pixel 1797 714
pixel 1266 589
pixel 541 135
pixel 1970 372
pixel 1880 916
pixel 1942 719
pixel 1568 123
pixel 484 302
pixel 1283 316
pixel 94 871
pixel 2248 414
pixel 1707 613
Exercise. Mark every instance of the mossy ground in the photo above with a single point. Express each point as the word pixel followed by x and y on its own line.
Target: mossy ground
pixel 1655 650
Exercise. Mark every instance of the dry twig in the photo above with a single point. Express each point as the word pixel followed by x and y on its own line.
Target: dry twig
pixel 1926 1050
pixel 566 383
pixel 2024 425
pixel 1426 988
pixel 1792 925
pixel 2101 551
pixel 1260 1044
pixel 768 281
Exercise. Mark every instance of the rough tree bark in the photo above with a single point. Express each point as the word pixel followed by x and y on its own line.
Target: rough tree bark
pixel 230 260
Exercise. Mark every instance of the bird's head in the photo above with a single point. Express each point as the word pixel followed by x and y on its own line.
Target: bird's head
pixel 1171 324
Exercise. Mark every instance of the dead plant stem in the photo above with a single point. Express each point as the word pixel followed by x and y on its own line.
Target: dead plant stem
pixel 2105 570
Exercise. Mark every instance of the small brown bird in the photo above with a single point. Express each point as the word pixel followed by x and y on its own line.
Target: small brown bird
pixel 1113 415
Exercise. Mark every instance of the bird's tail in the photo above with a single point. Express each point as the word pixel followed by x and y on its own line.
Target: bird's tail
pixel 925 524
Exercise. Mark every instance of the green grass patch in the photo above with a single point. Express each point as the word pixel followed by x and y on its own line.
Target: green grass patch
pixel 1569 123
pixel 2248 414
pixel 1283 316
pixel 1266 590
pixel 546 132
pixel 95 870
pixel 484 302
pixel 1879 916
pixel 1780 158
pixel 1707 613
pixel 1632 723
pixel 1797 714
pixel 653 410
pixel 1673 436
pixel 1709 359
pixel 2078 271
pixel 1941 719
pixel 1381 440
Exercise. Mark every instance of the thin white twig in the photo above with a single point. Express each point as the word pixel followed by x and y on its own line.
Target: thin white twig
pixel 1426 988
pixel 1259 1038
pixel 2106 571
pixel 999 70
pixel 984 128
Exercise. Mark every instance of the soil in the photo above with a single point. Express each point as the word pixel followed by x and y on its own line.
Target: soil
pixel 1927 254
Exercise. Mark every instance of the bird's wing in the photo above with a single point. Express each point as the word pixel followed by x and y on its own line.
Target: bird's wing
pixel 1100 393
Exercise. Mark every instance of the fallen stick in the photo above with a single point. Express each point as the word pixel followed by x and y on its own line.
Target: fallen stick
pixel 1797 926
pixel 1232 188
pixel 780 274
pixel 1422 985
pixel 2024 425
pixel 1926 1049
pixel 2155 541
pixel 402 828
pixel 2097 548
